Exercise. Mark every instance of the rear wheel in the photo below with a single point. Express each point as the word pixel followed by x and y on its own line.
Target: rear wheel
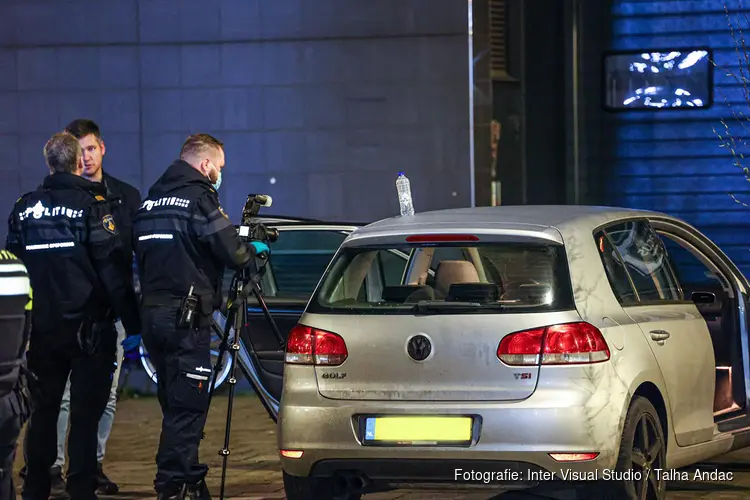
pixel 643 449
pixel 308 488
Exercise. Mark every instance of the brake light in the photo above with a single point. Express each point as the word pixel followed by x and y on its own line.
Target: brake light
pixel 440 238
pixel 310 346
pixel 565 344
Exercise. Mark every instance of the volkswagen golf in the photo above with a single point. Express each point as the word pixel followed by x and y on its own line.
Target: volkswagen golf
pixel 513 346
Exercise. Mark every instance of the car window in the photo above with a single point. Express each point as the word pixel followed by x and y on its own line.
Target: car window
pixel 690 271
pixel 300 257
pixel 392 266
pixel 646 261
pixel 615 270
pixel 298 260
pixel 483 278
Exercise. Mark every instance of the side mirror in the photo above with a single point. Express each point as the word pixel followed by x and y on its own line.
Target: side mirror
pixel 703 297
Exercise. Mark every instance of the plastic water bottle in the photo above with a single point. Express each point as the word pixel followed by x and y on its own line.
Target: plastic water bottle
pixel 404 194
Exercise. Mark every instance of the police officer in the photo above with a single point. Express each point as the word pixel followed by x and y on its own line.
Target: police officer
pixel 124 201
pixel 67 238
pixel 15 308
pixel 183 242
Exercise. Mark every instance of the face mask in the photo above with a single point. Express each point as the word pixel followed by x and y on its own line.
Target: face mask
pixel 218 178
pixel 218 182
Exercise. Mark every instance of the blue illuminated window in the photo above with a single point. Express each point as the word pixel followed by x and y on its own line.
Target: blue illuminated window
pixel 679 79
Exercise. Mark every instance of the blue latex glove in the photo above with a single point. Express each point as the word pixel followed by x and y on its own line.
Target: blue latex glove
pixel 260 248
pixel 131 343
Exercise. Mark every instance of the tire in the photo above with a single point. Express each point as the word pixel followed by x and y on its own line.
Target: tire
pixel 306 488
pixel 642 420
pixel 215 341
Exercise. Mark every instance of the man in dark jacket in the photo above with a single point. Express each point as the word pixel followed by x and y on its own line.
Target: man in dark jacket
pixel 68 239
pixel 183 242
pixel 124 200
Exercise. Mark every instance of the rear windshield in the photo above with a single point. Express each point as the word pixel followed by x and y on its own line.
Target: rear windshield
pixel 482 278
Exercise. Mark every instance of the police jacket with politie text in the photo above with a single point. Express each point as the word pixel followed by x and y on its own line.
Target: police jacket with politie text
pixel 183 238
pixel 66 236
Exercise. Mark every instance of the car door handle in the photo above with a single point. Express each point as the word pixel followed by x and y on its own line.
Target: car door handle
pixel 659 335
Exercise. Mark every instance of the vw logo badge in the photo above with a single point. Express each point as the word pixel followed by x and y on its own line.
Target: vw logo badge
pixel 419 347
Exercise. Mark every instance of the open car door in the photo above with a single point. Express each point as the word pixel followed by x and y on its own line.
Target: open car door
pixel 298 260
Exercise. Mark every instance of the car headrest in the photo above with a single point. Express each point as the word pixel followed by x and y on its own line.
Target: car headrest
pixel 450 272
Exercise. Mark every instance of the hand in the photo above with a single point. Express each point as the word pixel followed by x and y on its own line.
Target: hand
pixel 131 343
pixel 261 249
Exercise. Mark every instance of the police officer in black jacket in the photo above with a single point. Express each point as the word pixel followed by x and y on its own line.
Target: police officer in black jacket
pixel 124 201
pixel 15 310
pixel 184 241
pixel 67 237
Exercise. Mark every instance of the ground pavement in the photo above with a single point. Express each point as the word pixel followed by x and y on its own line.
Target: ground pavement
pixel 254 473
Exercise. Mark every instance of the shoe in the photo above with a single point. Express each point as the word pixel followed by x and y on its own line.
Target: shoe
pixel 104 485
pixel 198 491
pixel 57 489
pixel 172 495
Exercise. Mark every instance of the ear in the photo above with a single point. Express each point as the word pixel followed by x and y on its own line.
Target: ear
pixel 104 148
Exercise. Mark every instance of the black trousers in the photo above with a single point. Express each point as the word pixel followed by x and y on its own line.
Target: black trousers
pixel 52 357
pixel 182 359
pixel 11 421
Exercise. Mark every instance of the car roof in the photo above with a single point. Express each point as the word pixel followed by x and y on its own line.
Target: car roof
pixel 535 218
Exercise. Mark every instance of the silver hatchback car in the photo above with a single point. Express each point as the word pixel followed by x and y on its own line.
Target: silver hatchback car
pixel 512 347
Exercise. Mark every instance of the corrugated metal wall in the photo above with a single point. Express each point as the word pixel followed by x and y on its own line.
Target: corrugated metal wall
pixel 672 161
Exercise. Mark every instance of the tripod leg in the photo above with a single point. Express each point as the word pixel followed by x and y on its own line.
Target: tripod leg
pixel 267 314
pixel 219 365
pixel 224 452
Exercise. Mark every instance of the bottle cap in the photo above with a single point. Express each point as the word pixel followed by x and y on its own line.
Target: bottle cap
pixel 400 173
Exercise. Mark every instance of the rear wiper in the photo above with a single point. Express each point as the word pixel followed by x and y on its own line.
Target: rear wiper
pixel 424 306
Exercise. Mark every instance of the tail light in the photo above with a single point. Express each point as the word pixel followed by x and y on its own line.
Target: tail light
pixel 573 457
pixel 566 344
pixel 310 346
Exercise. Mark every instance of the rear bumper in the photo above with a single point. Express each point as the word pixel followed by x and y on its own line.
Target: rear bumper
pixel 517 436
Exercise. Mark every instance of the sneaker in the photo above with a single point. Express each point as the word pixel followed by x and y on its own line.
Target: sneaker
pixel 198 491
pixel 57 484
pixel 104 485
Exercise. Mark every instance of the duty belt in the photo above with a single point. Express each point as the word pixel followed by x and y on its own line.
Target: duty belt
pixel 161 300
pixel 169 300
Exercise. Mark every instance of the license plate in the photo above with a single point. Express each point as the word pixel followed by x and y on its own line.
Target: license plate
pixel 418 430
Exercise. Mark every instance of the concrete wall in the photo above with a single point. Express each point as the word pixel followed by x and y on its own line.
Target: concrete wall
pixel 320 102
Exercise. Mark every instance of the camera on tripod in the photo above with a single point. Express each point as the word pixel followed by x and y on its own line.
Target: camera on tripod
pixel 244 282
pixel 252 230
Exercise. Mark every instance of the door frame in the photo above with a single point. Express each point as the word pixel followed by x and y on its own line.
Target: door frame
pixel 739 284
pixel 244 359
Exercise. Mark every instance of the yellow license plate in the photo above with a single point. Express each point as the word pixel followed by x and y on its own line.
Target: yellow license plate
pixel 418 430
